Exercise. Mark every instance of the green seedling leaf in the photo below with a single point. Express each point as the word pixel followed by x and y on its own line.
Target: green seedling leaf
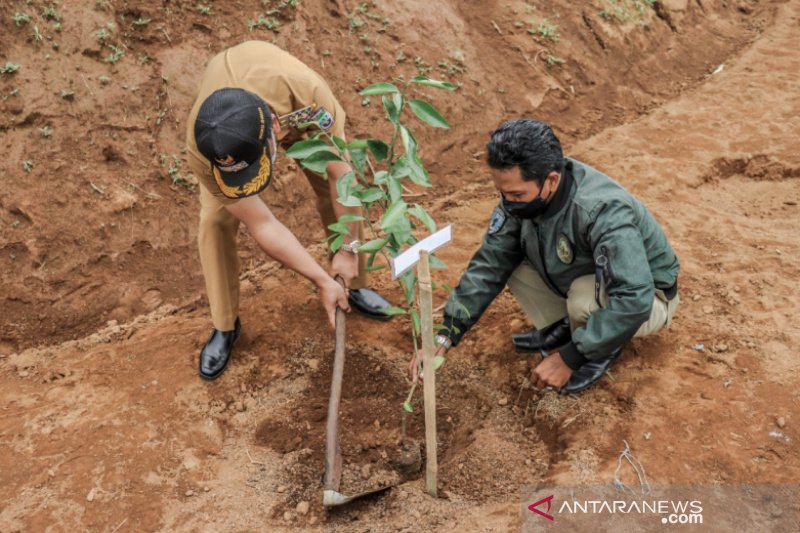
pixel 350 217
pixel 372 194
pixel 395 190
pixel 422 80
pixel 438 361
pixel 339 227
pixel 419 212
pixel 394 214
pixel 393 311
pixel 370 247
pixel 340 143
pixel 378 148
pixel 349 201
pixel 381 177
pixel 379 88
pixel 435 262
pixel 416 326
pixel 344 185
pixel 318 161
pixel 407 407
pixel 392 110
pixel 337 243
pixel 427 113
pixel 304 149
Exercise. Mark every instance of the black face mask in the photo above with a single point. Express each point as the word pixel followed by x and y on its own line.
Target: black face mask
pixel 528 210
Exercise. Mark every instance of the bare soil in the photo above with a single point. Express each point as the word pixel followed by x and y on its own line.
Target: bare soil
pixel 104 425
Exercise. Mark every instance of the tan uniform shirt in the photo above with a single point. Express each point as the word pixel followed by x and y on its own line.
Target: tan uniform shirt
pixel 280 79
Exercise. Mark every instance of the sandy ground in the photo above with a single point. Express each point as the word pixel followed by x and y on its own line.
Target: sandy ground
pixel 104 424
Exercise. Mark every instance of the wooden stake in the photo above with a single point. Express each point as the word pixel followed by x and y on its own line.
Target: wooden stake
pixel 428 370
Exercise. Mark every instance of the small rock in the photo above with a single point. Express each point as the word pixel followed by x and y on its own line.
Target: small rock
pixel 780 422
pixel 377 424
pixel 402 495
pixel 697 297
pixel 527 462
pixel 206 489
pixel 312 520
pixel 189 493
pixel 23 373
pixel 90 496
pixel 240 406
pixel 287 516
pixel 502 401
pixel 365 471
pixel 116 330
pixel 415 514
pixel 51 473
pixel 282 489
pixel 516 324
pixel 313 364
pixel 303 507
pixel 243 387
pixel 699 346
pixel 721 347
pixel 111 323
pixel 707 309
pixel 648 435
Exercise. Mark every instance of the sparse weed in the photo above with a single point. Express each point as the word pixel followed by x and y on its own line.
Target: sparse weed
pixel 204 10
pixel 144 59
pixel 20 19
pixel 141 22
pixel 46 131
pixel 102 34
pixel 9 68
pixel 67 94
pixel 116 54
pixel 624 11
pixel 104 80
pixel 553 60
pixel 37 35
pixel 269 23
pixel 545 30
pixel 27 165
pixel 50 13
pixel 179 179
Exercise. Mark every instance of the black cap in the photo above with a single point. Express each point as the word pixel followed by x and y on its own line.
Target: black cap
pixel 232 130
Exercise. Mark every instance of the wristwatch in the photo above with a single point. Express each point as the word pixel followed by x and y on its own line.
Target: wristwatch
pixel 442 340
pixel 351 247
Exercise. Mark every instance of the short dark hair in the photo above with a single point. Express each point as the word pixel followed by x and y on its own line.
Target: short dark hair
pixel 528 144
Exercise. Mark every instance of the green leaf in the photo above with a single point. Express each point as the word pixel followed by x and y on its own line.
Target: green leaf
pixel 379 88
pixel 423 216
pixel 340 143
pixel 418 174
pixel 372 246
pixel 416 326
pixel 427 113
pixel 409 143
pixel 407 407
pixel 350 217
pixel 318 161
pixel 337 243
pixel 378 148
pixel 381 177
pixel 350 201
pixel 391 110
pixel 392 215
pixel 435 262
pixel 422 80
pixel 438 361
pixel 395 190
pixel 345 184
pixel 371 195
pixel 339 227
pixel 409 280
pixel 359 158
pixel 392 311
pixel 358 144
pixel 303 149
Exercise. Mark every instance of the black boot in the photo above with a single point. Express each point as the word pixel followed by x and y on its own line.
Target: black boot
pixel 589 374
pixel 217 351
pixel 369 303
pixel 545 340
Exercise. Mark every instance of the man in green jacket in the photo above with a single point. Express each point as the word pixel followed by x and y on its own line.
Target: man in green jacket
pixel 585 259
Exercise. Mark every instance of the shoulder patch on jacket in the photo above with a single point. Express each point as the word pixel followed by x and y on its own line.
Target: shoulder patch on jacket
pixel 497 221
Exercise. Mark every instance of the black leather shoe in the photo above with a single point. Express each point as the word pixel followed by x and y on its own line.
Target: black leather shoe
pixel 217 351
pixel 548 339
pixel 589 374
pixel 369 303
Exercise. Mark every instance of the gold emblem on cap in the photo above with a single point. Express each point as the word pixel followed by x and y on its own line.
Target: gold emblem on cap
pixel 228 161
pixel 253 186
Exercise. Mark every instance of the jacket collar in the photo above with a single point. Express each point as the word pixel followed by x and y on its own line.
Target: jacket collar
pixel 563 193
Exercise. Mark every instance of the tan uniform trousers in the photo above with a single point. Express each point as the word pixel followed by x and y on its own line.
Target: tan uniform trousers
pixel 220 260
pixel 544 307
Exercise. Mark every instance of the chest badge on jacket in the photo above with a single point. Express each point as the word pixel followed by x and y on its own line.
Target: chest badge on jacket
pixel 564 250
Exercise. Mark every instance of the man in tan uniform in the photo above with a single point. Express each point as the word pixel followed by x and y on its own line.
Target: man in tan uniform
pixel 252 96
